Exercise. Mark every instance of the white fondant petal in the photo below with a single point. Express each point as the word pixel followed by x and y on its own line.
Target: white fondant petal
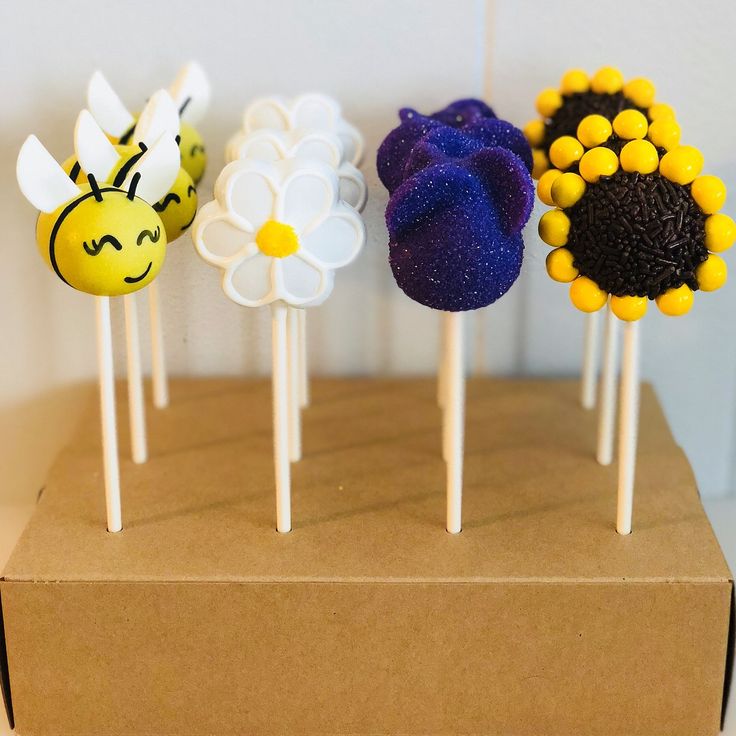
pixel 250 280
pixel 267 112
pixel 315 111
pixel 353 190
pixel 317 146
pixel 336 241
pixel 302 282
pixel 306 197
pixel 217 240
pixel 251 195
pixel 352 141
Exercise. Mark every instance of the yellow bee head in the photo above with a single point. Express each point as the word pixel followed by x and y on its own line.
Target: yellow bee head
pixel 102 239
pixel 190 92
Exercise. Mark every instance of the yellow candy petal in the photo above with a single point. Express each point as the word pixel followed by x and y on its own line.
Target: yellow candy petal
pixel 639 156
pixel 534 132
pixel 709 192
pixel 630 124
pixel 681 164
pixel 659 111
pixel 544 187
pixel 720 232
pixel 676 302
pixel 567 189
pixel 560 266
pixel 664 133
pixel 711 273
pixel 540 162
pixel 586 295
pixel 554 227
pixel 598 162
pixel 640 91
pixel 574 80
pixel 548 102
pixel 565 151
pixel 594 130
pixel 629 308
pixel 607 80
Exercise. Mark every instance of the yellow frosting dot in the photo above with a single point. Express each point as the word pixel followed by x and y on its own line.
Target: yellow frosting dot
pixel 640 91
pixel 586 295
pixel 554 227
pixel 660 110
pixel 574 80
pixel 560 266
pixel 711 273
pixel 639 156
pixel 630 124
pixel 544 187
pixel 567 189
pixel 709 192
pixel 607 80
pixel 598 162
pixel 540 162
pixel 629 308
pixel 682 164
pixel 665 133
pixel 676 302
pixel 277 239
pixel 548 102
pixel 594 130
pixel 534 132
pixel 565 151
pixel 720 232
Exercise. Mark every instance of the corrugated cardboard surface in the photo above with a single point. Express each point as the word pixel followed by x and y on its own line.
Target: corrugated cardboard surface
pixel 368 618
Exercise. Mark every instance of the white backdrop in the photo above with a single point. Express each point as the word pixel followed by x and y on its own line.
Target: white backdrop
pixel 374 56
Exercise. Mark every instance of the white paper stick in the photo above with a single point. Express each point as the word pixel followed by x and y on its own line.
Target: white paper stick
pixel 607 415
pixel 136 407
pixel 159 377
pixel 628 428
pixel 107 414
pixel 295 370
pixel 281 416
pixel 303 365
pixel 441 363
pixel 590 360
pixel 454 418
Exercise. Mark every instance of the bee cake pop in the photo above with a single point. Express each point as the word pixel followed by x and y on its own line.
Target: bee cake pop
pixel 460 195
pixel 636 222
pixel 105 240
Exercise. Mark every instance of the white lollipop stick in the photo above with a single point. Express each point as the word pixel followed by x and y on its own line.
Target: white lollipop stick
pixel 159 376
pixel 281 416
pixel 136 408
pixel 441 364
pixel 607 415
pixel 628 427
pixel 107 414
pixel 295 369
pixel 303 366
pixel 590 357
pixel 454 419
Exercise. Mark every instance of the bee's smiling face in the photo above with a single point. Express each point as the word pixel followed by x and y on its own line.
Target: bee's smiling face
pixel 108 248
pixel 193 155
pixel 178 208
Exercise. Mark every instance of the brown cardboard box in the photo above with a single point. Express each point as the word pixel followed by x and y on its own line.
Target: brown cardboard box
pixel 368 618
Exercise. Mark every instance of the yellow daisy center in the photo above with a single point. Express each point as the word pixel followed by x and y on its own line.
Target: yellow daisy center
pixel 277 239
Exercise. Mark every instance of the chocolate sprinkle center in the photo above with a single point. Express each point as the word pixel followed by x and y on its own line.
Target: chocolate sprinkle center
pixel 637 235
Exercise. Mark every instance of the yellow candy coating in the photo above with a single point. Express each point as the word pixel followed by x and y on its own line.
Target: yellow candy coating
pixel 594 130
pixel 534 132
pixel 565 151
pixel 681 164
pixel 639 156
pixel 711 273
pixel 598 162
pixel 574 80
pixel 664 133
pixel 544 187
pixel 676 302
pixel 540 163
pixel 720 232
pixel 586 295
pixel 640 91
pixel 560 266
pixel 659 111
pixel 630 124
pixel 548 102
pixel 554 227
pixel 607 80
pixel 108 248
pixel 629 308
pixel 193 154
pixel 709 192
pixel 567 189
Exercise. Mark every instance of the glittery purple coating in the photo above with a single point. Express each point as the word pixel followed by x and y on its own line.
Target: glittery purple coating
pixel 462 112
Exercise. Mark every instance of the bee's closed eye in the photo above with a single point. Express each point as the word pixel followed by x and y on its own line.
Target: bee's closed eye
pixel 191 190
pixel 153 236
pixel 96 246
pixel 196 148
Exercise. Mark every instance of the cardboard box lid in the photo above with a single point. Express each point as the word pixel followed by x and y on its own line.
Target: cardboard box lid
pixel 368 497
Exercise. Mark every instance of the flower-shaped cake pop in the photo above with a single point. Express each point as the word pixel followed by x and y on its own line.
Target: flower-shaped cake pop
pixel 605 94
pixel 278 231
pixel 269 144
pixel 634 218
pixel 306 112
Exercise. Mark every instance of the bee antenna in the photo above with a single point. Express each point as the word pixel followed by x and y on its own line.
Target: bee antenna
pixel 178 139
pixel 95 187
pixel 142 146
pixel 134 185
pixel 184 106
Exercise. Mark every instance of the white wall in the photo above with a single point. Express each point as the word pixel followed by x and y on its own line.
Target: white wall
pixel 375 56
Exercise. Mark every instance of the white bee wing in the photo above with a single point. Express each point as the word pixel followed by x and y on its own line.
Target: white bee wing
pixel 108 109
pixel 158 167
pixel 159 116
pixel 42 181
pixel 95 153
pixel 191 92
